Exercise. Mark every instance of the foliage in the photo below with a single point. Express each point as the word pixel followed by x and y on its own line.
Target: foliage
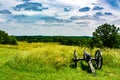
pixel 51 61
pixel 65 40
pixel 107 35
pixel 6 39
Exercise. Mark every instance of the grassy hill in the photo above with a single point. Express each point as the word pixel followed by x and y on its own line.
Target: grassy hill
pixel 52 61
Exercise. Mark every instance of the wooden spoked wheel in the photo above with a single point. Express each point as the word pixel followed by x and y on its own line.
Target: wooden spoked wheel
pixel 98 59
pixel 75 58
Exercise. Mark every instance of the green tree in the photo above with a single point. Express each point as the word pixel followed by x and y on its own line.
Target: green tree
pixel 107 35
pixel 6 39
pixel 3 37
pixel 12 40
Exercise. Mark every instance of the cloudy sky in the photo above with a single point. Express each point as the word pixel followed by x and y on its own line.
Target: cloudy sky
pixel 57 17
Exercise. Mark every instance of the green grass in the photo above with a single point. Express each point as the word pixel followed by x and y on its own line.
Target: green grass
pixel 52 61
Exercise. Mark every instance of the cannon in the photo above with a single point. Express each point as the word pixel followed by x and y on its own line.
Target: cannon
pixel 88 58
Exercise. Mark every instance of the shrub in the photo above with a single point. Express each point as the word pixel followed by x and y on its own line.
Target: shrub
pixel 6 39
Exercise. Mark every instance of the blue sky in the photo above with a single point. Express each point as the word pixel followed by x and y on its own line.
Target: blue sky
pixel 57 17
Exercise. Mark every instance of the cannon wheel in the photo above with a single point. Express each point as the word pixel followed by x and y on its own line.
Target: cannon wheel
pixel 98 59
pixel 75 58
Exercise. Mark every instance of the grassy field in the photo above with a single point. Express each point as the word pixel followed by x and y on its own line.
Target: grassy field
pixel 52 61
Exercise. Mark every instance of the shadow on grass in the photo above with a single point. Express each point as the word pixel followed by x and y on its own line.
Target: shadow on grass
pixel 84 66
pixel 72 64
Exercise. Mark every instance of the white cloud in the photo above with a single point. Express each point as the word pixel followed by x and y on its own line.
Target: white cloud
pixel 33 24
pixel 76 3
pixel 8 4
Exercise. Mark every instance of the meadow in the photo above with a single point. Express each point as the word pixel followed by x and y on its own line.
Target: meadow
pixel 53 61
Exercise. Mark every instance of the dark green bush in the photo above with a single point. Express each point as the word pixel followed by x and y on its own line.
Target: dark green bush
pixel 6 39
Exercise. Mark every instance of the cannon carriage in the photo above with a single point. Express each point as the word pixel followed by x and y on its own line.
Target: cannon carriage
pixel 98 59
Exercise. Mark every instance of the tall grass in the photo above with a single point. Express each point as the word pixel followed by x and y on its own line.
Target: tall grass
pixel 40 55
pixel 52 61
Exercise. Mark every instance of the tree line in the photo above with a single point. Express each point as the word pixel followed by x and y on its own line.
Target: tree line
pixel 64 40
pixel 105 35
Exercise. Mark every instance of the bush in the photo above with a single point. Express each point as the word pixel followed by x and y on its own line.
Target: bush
pixel 6 39
pixel 12 40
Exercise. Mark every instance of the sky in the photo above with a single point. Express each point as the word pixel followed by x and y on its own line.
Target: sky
pixel 57 17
